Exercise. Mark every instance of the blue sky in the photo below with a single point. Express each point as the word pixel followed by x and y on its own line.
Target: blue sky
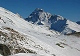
pixel 69 9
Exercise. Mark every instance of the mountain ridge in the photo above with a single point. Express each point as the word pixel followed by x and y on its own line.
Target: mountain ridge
pixel 54 22
pixel 26 39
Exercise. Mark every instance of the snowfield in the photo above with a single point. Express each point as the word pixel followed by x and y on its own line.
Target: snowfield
pixel 24 54
pixel 26 39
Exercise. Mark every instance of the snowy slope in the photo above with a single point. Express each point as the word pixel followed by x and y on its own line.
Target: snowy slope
pixel 24 54
pixel 54 22
pixel 34 40
pixel 10 24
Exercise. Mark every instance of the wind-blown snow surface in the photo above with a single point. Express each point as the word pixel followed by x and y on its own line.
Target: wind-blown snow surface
pixel 40 40
pixel 54 22
pixel 24 54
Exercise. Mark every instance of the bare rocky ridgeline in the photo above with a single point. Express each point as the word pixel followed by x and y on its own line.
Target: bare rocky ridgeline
pixel 10 41
pixel 16 42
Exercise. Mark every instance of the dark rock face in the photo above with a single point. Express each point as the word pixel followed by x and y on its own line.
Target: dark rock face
pixel 58 23
pixel 78 22
pixel 4 50
pixel 75 34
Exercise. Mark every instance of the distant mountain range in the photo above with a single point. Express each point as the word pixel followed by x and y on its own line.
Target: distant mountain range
pixel 54 22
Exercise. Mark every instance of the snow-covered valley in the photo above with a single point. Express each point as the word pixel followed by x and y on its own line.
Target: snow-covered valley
pixel 26 39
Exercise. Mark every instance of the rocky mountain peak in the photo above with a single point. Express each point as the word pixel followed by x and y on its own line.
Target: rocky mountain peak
pixel 54 22
pixel 38 10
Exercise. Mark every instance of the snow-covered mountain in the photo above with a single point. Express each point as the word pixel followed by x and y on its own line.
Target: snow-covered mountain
pixel 54 22
pixel 21 38
pixel 78 22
